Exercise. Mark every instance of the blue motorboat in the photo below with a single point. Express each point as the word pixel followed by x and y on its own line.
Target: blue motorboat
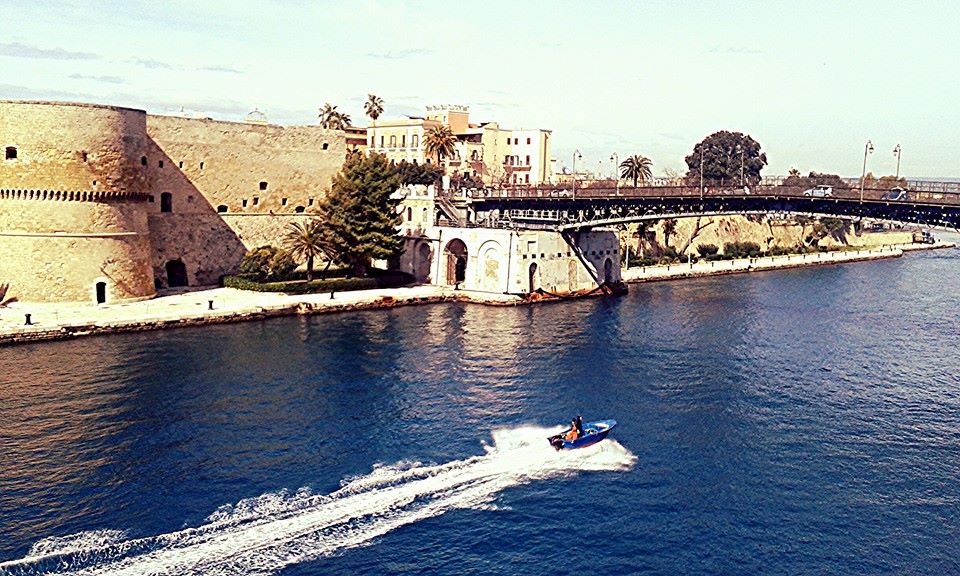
pixel 591 433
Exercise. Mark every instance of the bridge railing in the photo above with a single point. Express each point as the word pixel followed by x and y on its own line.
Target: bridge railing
pixel 913 196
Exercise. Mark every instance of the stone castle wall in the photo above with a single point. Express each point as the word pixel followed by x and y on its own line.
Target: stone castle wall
pixel 73 202
pixel 116 192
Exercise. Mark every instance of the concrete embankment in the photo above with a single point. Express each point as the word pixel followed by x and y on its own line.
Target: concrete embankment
pixel 744 265
pixel 225 305
pixel 211 306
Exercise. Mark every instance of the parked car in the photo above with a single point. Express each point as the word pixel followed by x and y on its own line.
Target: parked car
pixel 821 191
pixel 924 237
pixel 895 194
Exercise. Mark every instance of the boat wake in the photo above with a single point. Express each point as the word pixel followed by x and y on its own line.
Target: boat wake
pixel 263 535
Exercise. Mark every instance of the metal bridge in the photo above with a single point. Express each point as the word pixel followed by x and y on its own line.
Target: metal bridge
pixel 566 210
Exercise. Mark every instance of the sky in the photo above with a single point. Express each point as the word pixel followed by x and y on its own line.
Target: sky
pixel 811 81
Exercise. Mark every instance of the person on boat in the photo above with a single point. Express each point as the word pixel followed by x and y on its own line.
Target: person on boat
pixel 579 421
pixel 573 433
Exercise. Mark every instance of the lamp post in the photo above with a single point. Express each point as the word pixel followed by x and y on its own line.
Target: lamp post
pixel 897 152
pixel 576 154
pixel 616 170
pixel 701 171
pixel 866 150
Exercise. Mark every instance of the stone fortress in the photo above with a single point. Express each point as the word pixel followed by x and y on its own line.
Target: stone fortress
pixel 107 204
pixel 103 204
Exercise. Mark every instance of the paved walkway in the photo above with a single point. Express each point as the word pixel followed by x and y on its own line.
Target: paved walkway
pixel 209 306
pixel 742 265
pixel 219 305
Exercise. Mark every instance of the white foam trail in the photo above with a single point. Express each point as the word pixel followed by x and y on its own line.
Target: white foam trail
pixel 263 535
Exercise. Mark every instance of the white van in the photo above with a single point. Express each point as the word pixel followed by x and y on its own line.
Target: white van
pixel 821 191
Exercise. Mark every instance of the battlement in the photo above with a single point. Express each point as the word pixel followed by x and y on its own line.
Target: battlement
pixel 73 196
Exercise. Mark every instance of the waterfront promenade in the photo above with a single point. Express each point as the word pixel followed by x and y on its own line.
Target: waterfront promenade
pixel 56 321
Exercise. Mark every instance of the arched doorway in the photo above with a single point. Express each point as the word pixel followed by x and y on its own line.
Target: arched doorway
pixel 101 289
pixel 176 274
pixel 456 252
pixel 608 271
pixel 532 277
pixel 422 267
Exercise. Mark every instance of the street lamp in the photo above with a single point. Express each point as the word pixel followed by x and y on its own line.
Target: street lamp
pixel 576 154
pixel 897 152
pixel 701 171
pixel 616 170
pixel 866 150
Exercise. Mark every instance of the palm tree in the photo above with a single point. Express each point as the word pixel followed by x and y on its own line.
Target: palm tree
pixel 374 106
pixel 440 141
pixel 305 241
pixel 636 167
pixel 331 119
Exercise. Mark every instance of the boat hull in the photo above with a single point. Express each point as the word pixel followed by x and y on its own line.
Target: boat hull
pixel 593 432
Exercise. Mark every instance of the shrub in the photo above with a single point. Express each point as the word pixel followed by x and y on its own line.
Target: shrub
pixel 708 249
pixel 267 263
pixel 742 249
pixel 384 279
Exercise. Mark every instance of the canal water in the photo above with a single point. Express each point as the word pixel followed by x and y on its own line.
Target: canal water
pixel 794 422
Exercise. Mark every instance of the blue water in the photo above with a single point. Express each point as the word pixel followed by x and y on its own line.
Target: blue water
pixel 796 422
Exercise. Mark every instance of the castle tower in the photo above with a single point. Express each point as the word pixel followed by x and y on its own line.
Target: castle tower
pixel 73 198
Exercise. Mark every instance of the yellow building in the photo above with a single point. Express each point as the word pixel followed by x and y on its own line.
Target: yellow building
pixel 487 152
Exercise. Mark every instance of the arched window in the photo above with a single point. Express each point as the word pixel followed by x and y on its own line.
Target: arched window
pixel 403 141
pixel 166 202
pixel 299 209
pixel 11 152
pixel 393 140
pixel 409 214
pixel 222 208
pixel 415 141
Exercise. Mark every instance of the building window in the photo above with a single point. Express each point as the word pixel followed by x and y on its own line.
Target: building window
pixel 256 200
pixel 381 141
pixel 527 179
pixel 166 202
pixel 393 141
pixel 11 153
pixel 283 201
pixel 528 140
pixel 299 209
pixel 244 202
pixel 415 141
pixel 403 141
pixel 201 165
pixel 160 163
pixel 83 156
pixel 221 209
pixel 150 198
pixel 325 145
pixel 309 201
pixel 409 214
pixel 528 159
pixel 263 185
pixel 181 164
pixel 143 160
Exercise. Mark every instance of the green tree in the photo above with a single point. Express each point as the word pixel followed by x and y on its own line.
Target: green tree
pixel 418 173
pixel 374 106
pixel 669 229
pixel 439 141
pixel 360 215
pixel 306 241
pixel 636 167
pixel 332 119
pixel 267 263
pixel 723 155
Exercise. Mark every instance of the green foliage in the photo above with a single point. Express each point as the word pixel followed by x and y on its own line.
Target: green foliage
pixel 439 142
pixel 360 215
pixel 267 263
pixel 332 119
pixel 306 241
pixel 418 173
pixel 722 153
pixel 742 249
pixel 382 280
pixel 373 107
pixel 707 249
pixel 636 168
pixel 465 181
pixel 815 179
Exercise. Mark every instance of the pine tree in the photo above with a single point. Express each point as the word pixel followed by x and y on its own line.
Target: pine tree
pixel 359 215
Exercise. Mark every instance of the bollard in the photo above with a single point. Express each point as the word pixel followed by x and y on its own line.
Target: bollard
pixel 209 304
pixel 331 294
pixel 28 322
